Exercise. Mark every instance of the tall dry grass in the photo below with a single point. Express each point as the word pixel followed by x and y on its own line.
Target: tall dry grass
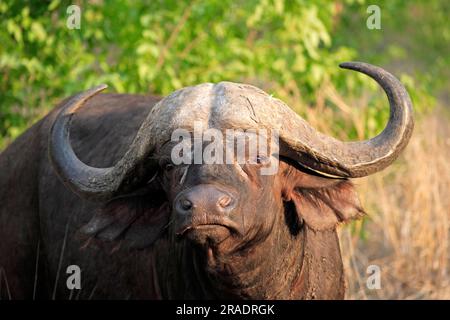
pixel 407 229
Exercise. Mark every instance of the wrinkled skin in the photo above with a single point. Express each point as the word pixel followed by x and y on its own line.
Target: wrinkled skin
pixel 279 240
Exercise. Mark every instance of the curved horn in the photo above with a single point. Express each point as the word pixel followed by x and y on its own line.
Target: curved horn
pixel 89 182
pixel 354 159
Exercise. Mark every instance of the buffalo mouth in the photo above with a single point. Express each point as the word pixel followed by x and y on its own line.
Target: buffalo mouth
pixel 207 233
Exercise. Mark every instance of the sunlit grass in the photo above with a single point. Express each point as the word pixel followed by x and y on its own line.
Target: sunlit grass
pixel 408 227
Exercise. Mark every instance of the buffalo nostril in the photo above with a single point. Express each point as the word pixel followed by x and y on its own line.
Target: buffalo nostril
pixel 224 201
pixel 186 204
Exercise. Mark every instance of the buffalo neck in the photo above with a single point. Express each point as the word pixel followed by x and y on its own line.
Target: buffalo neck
pixel 256 272
pixel 305 265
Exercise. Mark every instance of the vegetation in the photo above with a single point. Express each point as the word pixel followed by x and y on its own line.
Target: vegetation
pixel 292 50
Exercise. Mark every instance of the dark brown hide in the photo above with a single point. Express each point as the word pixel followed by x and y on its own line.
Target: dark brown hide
pixel 36 209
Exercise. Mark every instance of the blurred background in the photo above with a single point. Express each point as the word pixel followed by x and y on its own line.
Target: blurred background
pixel 291 49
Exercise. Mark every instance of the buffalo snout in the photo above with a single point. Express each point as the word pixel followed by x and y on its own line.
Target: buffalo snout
pixel 203 201
pixel 205 209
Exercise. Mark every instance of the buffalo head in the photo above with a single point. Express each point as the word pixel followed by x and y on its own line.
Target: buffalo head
pixel 226 229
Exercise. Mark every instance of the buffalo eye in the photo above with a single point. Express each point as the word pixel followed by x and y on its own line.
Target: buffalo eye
pixel 259 160
pixel 168 167
pixel 262 160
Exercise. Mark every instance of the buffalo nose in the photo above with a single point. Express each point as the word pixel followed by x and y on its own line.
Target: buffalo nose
pixel 205 200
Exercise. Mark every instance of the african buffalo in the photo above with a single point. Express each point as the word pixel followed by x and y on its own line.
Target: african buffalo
pixel 96 187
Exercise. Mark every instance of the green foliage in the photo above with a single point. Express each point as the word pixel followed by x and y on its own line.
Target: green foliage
pixel 161 45
pixel 414 38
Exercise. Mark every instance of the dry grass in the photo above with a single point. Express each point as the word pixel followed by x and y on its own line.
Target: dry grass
pixel 408 227
pixel 407 230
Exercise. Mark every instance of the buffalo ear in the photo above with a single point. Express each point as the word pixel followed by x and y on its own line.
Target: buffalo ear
pixel 321 203
pixel 137 220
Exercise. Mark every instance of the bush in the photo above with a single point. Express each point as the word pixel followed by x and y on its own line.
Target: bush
pixel 285 47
